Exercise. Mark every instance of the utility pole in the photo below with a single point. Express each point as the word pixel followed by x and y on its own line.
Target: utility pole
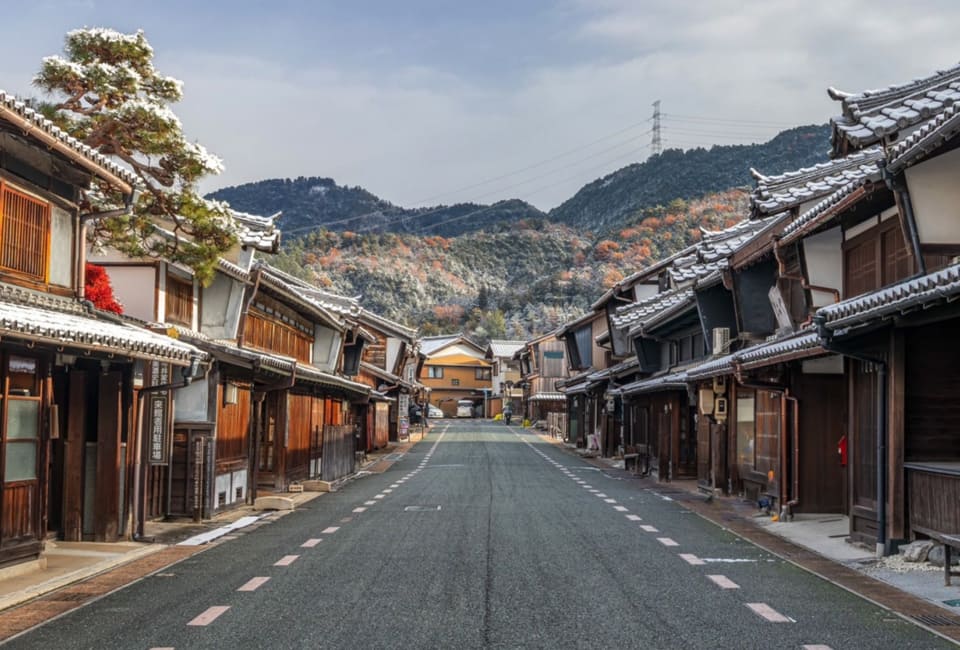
pixel 656 144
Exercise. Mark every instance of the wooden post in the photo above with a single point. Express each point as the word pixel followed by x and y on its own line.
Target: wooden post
pixel 109 425
pixel 73 446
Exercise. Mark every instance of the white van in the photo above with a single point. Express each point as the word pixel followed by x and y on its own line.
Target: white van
pixel 464 408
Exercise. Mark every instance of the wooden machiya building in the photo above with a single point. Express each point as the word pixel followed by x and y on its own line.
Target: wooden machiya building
pixel 543 369
pixel 586 403
pixel 70 449
pixel 661 421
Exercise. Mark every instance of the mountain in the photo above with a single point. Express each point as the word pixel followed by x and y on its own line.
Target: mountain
pixel 676 174
pixel 311 203
pixel 509 270
pixel 507 282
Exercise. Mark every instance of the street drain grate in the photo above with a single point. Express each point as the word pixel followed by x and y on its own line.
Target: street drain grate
pixel 936 620
pixel 421 508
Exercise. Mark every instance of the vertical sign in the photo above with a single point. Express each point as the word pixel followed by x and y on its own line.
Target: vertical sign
pixel 158 413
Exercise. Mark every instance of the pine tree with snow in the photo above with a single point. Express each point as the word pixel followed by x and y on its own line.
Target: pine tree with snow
pixel 112 99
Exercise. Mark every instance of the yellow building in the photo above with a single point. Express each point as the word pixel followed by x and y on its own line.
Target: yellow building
pixel 455 369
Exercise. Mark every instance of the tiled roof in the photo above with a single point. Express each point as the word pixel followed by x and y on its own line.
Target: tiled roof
pixel 777 193
pixel 927 138
pixel 635 314
pixel 823 211
pixel 765 353
pixel 613 371
pixel 943 285
pixel 11 105
pixel 71 328
pixel 500 348
pixel 759 354
pixel 873 115
pixel 548 397
pixel 670 381
pixel 257 232
pixel 430 344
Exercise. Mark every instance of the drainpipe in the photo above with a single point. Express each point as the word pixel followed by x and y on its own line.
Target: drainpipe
pixel 795 501
pixel 881 415
pixel 896 184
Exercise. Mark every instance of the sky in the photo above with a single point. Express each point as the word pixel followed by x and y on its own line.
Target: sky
pixel 426 102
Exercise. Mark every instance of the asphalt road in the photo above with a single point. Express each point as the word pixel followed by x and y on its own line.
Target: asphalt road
pixel 483 536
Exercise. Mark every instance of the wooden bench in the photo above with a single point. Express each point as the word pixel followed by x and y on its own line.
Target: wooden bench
pixel 950 541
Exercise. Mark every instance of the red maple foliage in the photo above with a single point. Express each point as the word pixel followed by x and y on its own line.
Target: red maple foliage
pixel 99 291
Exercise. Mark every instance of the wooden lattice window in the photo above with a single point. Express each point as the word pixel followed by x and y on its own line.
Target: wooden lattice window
pixel 179 301
pixel 24 234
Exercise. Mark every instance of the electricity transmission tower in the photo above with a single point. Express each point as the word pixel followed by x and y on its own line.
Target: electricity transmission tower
pixel 656 144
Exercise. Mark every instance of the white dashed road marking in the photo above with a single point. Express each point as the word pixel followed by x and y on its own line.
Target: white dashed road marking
pixel 634 518
pixel 359 509
pixel 666 541
pixel 286 560
pixel 690 558
pixel 208 616
pixel 253 584
pixel 620 508
pixel 649 528
pixel 330 530
pixel 723 582
pixel 769 613
pixel 310 543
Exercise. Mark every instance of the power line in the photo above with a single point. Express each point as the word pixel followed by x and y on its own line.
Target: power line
pixel 405 217
pixel 695 118
pixel 536 164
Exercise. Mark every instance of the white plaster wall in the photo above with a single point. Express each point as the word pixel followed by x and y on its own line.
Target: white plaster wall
pixel 326 348
pixel 134 287
pixel 935 194
pixel 216 299
pixel 61 247
pixel 190 402
pixel 641 291
pixel 824 257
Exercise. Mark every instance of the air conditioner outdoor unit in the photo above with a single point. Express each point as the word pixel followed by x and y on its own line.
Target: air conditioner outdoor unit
pixel 721 340
pixel 720 385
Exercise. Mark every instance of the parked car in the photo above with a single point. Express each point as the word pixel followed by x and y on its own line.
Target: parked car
pixel 434 412
pixel 465 408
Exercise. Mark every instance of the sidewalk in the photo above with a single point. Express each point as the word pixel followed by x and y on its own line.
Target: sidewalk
pixel 68 563
pixel 818 544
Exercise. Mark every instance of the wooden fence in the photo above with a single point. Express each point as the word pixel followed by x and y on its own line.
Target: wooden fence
pixel 338 459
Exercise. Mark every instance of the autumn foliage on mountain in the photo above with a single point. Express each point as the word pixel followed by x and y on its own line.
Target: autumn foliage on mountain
pixel 508 281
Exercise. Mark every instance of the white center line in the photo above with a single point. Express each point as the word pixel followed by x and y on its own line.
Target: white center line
pixel 253 584
pixel 690 558
pixel 387 491
pixel 723 582
pixel 330 530
pixel 380 496
pixel 765 611
pixel 609 500
pixel 369 503
pixel 310 543
pixel 620 508
pixel 817 647
pixel 634 518
pixel 395 485
pixel 649 528
pixel 359 509
pixel 601 495
pixel 209 616
pixel 666 541
pixel 286 560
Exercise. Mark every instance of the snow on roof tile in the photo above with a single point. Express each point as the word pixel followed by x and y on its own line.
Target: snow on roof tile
pixel 670 381
pixel 502 348
pixel 943 285
pixel 258 232
pixel 777 193
pixel 72 329
pixel 10 104
pixel 815 216
pixel 926 139
pixel 873 115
